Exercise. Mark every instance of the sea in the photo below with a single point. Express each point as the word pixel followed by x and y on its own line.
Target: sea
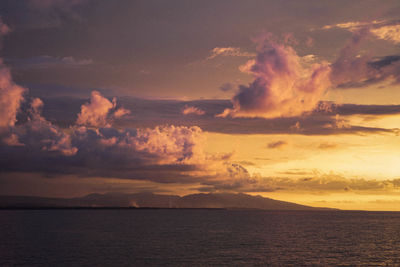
pixel 198 237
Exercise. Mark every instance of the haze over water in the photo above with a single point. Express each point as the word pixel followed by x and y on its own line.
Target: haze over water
pixel 198 238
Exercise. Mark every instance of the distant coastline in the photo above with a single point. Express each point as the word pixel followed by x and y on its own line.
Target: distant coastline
pixel 152 201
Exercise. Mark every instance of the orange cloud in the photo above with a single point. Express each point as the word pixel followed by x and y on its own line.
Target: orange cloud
pixel 192 110
pixel 121 112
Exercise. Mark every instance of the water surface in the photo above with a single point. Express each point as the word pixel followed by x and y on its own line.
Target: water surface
pixel 198 237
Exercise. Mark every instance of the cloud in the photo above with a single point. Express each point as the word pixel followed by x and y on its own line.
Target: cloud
pixel 192 110
pixel 98 110
pixel 353 69
pixel 282 87
pixel 11 95
pixel 106 152
pixel 381 29
pixel 315 183
pixel 226 87
pixel 350 67
pixel 151 113
pixel 95 112
pixel 120 112
pixel 162 154
pixel 277 144
pixel 326 146
pixel 388 32
pixel 228 52
pixel 45 62
pixel 42 135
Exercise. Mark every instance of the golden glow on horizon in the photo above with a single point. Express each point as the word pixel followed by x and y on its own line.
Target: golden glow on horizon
pixel 363 156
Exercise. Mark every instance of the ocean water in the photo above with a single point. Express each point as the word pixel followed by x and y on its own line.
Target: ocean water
pixel 198 238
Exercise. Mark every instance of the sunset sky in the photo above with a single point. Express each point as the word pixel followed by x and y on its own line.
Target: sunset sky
pixel 293 100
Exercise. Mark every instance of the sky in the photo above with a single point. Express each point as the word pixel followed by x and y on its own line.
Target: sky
pixel 293 100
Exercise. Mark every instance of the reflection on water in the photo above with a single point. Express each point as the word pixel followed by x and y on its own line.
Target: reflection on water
pixel 198 237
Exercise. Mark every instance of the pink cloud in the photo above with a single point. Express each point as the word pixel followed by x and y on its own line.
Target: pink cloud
pixel 97 112
pixel 11 94
pixel 282 86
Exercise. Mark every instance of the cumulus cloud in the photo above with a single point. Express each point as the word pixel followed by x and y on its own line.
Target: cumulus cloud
pixel 106 152
pixel 228 52
pixel 95 112
pixel 98 110
pixel 93 148
pixel 192 110
pixel 162 154
pixel 282 87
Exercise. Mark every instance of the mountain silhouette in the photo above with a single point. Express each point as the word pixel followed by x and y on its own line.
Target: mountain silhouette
pixel 150 200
